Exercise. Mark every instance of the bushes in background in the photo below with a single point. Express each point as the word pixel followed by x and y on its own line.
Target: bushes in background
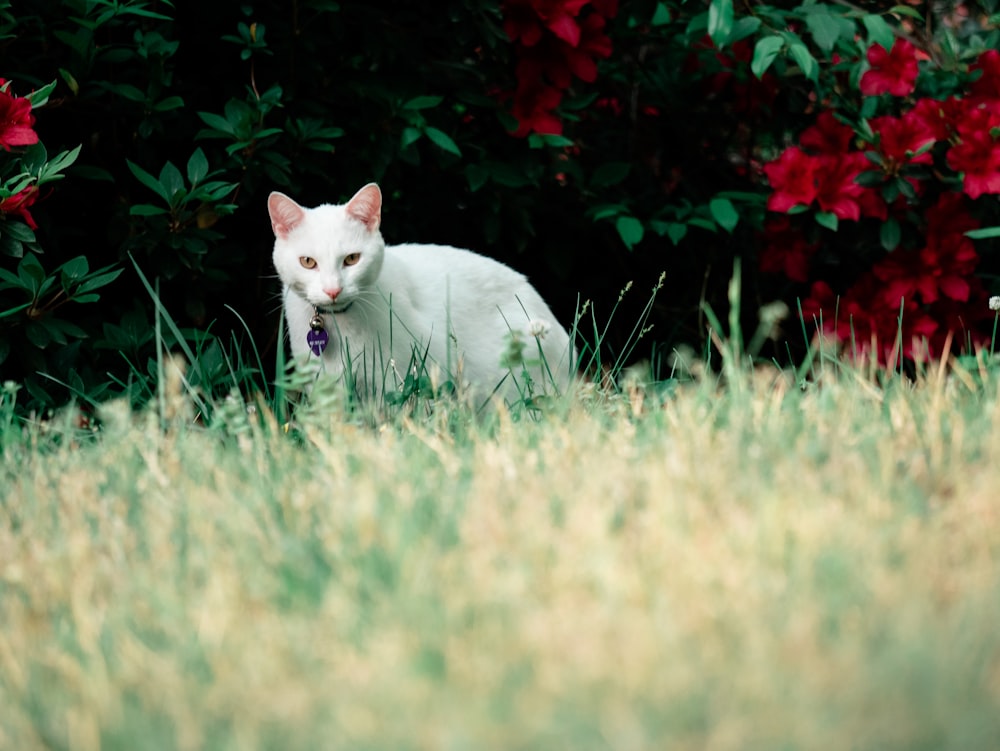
pixel 842 150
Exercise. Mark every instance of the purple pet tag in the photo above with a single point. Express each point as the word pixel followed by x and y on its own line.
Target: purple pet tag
pixel 318 341
pixel 317 336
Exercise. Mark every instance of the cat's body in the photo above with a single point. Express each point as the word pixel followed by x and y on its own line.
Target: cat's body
pixel 386 309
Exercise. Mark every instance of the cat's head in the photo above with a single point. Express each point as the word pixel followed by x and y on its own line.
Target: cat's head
pixel 329 255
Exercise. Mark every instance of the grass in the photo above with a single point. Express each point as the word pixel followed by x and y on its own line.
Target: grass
pixel 747 566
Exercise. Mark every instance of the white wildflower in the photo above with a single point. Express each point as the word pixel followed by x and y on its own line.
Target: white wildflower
pixel 538 328
pixel 773 312
pixel 995 302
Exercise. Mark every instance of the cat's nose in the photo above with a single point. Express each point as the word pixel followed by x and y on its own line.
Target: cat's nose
pixel 332 292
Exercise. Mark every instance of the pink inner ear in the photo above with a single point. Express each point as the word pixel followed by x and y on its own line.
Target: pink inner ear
pixel 366 206
pixel 286 215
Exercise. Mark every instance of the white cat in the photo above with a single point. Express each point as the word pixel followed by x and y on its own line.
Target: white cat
pixel 359 307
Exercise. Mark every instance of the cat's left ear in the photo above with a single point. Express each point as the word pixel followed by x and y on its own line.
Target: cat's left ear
pixel 366 206
pixel 286 215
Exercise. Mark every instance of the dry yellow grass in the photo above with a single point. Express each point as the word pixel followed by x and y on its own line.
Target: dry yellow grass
pixel 750 568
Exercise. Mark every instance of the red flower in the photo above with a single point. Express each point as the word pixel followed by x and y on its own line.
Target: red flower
pixel 593 44
pixel 837 191
pixel 962 319
pixel 977 154
pixel 893 72
pixel 900 138
pixel 533 108
pixel 555 48
pixel 786 250
pixel 17 205
pixel 525 20
pixel 949 219
pixel 930 273
pixel 559 62
pixel 867 321
pixel 827 136
pixel 607 8
pixel 793 179
pixel 16 121
pixel 940 116
pixel 988 84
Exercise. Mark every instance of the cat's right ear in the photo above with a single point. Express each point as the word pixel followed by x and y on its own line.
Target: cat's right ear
pixel 286 215
pixel 366 206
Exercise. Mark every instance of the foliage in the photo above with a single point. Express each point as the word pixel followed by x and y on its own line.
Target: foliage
pixel 589 143
pixel 33 318
pixel 907 147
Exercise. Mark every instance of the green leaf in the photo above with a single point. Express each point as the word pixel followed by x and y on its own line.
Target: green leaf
pixel 630 230
pixel 14 311
pixel 606 210
pixel 676 232
pixel 508 175
pixel 477 175
pixel 39 97
pixel 68 328
pixel 827 28
pixel 546 140
pixel 984 233
pixel 173 182
pixel 137 10
pixel 409 137
pixel 827 219
pixel 37 334
pixel 145 209
pixel 906 10
pixel 127 91
pixel 906 188
pixel 74 86
pixel 217 122
pixel 879 32
pixel 661 16
pixel 610 173
pixel 170 103
pixel 890 234
pixel 11 248
pixel 18 230
pixel 148 180
pixel 720 21
pixel 870 178
pixel 50 171
pixel 443 140
pixel 30 272
pixel 74 270
pixel 805 60
pixel 724 213
pixel 706 224
pixel 746 26
pixel 98 280
pixel 423 102
pixel 197 167
pixel 764 53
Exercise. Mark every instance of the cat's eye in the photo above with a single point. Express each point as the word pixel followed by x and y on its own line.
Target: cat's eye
pixel 307 262
pixel 351 259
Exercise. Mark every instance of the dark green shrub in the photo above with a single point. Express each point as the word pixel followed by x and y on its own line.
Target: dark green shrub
pixel 659 118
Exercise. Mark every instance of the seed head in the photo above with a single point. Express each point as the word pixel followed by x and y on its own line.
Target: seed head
pixel 995 302
pixel 538 328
